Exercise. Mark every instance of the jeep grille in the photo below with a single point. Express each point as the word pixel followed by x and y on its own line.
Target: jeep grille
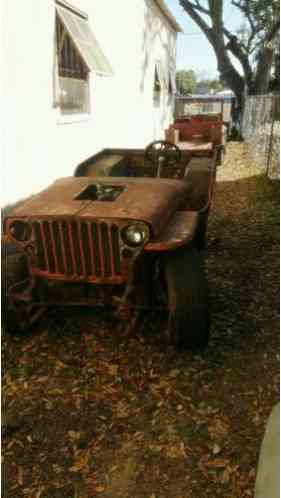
pixel 78 250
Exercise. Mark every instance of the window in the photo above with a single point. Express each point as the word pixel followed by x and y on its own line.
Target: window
pixel 73 74
pixel 77 54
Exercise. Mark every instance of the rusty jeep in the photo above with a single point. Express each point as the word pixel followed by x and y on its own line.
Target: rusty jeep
pixel 124 232
pixel 200 125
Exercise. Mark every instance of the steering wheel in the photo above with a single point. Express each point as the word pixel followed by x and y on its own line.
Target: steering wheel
pixel 162 154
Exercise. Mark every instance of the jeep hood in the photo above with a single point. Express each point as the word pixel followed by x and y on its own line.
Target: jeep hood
pixel 142 199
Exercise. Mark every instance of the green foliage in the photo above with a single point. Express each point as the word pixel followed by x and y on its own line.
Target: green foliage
pixel 263 13
pixel 213 85
pixel 260 16
pixel 254 45
pixel 186 81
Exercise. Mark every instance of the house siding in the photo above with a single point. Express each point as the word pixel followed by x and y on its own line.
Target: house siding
pixel 39 145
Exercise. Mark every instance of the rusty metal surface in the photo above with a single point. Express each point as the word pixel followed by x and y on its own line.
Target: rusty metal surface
pixel 202 176
pixel 77 253
pixel 88 251
pixel 177 233
pixel 197 132
pixel 198 99
pixel 196 145
pixel 57 199
pixel 143 199
pixel 110 161
pixel 80 241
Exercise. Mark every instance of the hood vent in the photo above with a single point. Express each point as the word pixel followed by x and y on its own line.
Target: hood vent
pixel 99 192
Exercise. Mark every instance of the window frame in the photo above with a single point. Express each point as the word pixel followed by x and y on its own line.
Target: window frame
pixel 83 56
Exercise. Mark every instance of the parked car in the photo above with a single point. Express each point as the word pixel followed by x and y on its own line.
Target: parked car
pixel 200 125
pixel 125 232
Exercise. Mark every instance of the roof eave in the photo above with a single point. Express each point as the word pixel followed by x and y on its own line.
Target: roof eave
pixel 168 15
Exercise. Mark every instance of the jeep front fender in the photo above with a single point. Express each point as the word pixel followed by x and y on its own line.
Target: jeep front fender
pixel 179 231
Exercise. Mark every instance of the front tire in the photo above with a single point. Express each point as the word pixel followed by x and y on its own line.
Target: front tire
pixel 188 303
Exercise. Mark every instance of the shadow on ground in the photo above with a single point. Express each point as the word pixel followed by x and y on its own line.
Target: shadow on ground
pixel 91 411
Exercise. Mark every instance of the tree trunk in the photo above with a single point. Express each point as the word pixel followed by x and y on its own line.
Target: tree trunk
pixel 215 34
pixel 261 81
pixel 230 76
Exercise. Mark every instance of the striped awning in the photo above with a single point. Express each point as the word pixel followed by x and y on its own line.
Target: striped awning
pixel 85 41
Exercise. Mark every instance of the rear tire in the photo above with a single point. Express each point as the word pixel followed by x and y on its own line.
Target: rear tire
pixel 188 303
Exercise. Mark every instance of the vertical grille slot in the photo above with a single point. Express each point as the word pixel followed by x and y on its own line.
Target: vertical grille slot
pixel 48 242
pixel 106 249
pixel 53 246
pixel 77 254
pixel 41 260
pixel 66 245
pixel 86 249
pixel 95 239
pixel 58 247
pixel 116 249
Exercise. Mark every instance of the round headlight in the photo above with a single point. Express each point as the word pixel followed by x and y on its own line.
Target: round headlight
pixel 135 235
pixel 20 230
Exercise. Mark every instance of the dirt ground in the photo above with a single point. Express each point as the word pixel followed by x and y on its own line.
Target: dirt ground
pixel 90 412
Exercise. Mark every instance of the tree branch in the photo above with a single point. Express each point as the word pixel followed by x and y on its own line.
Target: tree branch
pixel 191 9
pixel 241 55
pixel 245 9
pixel 273 32
pixel 199 8
pixel 262 27
pixel 215 35
pixel 216 9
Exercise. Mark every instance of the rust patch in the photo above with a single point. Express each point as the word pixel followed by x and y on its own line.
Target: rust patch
pixel 142 199
pixel 179 231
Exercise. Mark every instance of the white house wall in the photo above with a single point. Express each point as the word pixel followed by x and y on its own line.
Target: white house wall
pixel 39 145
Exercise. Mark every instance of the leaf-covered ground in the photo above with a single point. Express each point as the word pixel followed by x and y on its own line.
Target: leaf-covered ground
pixel 91 411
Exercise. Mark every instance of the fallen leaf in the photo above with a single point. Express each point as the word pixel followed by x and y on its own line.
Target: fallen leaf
pixel 60 364
pixel 20 476
pixel 11 444
pixel 55 392
pixel 174 373
pixel 39 492
pixel 217 464
pixel 216 449
pixel 99 489
pixel 113 370
pixel 219 430
pixel 225 477
pixel 74 435
pixel 42 379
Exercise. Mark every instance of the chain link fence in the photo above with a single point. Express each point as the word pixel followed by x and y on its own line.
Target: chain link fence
pixel 261 130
